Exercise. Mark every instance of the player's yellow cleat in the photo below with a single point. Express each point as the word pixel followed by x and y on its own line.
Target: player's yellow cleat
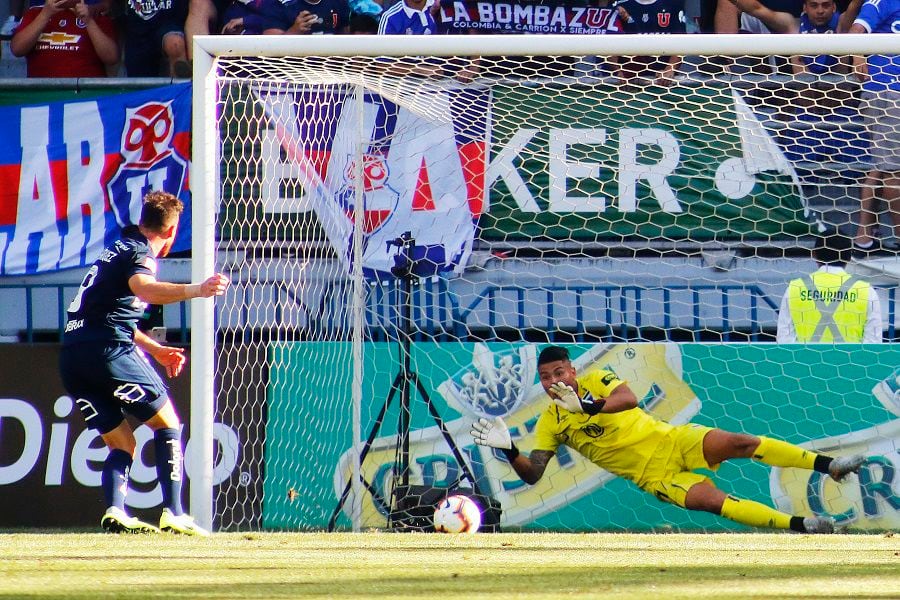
pixel 115 520
pixel 183 524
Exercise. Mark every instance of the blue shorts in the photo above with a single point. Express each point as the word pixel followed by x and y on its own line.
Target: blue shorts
pixel 109 380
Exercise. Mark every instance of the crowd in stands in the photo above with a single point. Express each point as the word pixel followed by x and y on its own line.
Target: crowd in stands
pixel 149 38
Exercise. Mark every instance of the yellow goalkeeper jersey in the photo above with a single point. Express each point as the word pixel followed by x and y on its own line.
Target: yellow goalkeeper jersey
pixel 622 442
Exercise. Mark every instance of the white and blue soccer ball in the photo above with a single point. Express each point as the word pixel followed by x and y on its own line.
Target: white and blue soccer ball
pixel 457 514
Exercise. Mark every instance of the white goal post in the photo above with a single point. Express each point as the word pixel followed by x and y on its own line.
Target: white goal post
pixel 548 306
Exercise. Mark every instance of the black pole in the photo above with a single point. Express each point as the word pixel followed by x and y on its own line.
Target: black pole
pixel 406 389
pixel 405 383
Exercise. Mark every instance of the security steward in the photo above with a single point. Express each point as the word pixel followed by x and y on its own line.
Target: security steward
pixel 830 305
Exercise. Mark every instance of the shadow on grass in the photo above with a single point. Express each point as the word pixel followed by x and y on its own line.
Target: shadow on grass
pixel 287 581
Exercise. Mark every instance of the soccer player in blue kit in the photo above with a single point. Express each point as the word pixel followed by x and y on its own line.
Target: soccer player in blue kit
pixel 103 365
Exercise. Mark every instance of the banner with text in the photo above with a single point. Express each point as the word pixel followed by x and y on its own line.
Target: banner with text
pixel 51 464
pixel 415 163
pixel 568 162
pixel 571 162
pixel 763 389
pixel 73 173
pixel 522 16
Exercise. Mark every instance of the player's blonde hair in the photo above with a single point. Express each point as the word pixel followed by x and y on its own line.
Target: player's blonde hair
pixel 160 210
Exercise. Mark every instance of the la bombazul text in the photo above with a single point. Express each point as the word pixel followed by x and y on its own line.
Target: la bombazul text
pixel 522 17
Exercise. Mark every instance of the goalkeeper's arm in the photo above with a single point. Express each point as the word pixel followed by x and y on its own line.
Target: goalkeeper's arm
pixel 495 434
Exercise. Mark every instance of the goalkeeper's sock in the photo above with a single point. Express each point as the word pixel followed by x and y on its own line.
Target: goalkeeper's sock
pixel 169 467
pixel 114 479
pixel 782 454
pixel 754 514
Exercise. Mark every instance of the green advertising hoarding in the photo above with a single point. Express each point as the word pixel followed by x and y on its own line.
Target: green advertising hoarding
pixel 826 398
pixel 568 161
pixel 604 162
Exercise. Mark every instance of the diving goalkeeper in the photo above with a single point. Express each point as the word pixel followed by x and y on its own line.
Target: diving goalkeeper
pixel 598 416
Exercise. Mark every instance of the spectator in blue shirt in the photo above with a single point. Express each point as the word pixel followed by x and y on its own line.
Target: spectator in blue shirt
pixel 821 98
pixel 819 16
pixel 880 106
pixel 408 17
pixel 411 17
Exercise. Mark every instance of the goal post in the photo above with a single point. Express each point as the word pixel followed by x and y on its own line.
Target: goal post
pixel 407 220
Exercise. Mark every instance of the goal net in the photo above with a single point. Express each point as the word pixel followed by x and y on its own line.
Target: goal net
pixel 407 221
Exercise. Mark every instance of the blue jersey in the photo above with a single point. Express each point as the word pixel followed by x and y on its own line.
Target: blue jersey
pixel 661 16
pixel 823 63
pixel 882 16
pixel 251 11
pixel 105 309
pixel 400 19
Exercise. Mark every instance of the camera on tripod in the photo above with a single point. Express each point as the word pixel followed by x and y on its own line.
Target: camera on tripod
pixel 410 506
pixel 412 260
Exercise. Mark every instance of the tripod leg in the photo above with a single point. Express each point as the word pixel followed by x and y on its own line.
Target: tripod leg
pixel 376 427
pixel 467 472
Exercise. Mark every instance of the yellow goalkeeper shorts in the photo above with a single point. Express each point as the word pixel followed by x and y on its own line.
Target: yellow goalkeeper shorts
pixel 669 473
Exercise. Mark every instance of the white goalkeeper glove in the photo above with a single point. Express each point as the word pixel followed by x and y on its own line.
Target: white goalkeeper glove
pixel 565 397
pixel 494 434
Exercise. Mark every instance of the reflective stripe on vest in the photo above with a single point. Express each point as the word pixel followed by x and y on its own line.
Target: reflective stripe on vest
pixel 834 307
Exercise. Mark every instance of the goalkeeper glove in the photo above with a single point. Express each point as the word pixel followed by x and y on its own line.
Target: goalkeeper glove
pixel 565 397
pixel 494 434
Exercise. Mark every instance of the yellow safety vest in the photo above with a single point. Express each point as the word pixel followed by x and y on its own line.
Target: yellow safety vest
pixel 829 307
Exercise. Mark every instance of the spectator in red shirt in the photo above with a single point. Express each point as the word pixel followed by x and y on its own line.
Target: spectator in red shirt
pixel 66 38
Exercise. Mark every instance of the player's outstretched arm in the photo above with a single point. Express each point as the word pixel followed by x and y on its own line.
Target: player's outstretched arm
pixel 495 434
pixel 531 468
pixel 148 289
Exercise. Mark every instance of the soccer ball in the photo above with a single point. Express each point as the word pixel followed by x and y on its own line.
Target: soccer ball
pixel 457 514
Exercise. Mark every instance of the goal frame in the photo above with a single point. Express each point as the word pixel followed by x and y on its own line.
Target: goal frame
pixel 205 181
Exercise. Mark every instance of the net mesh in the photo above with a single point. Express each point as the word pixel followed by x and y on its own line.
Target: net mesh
pixel 502 204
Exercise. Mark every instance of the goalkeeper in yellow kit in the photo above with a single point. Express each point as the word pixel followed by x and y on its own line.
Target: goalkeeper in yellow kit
pixel 598 416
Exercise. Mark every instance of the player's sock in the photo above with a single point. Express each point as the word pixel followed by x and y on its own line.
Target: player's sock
pixel 114 479
pixel 782 454
pixel 823 463
pixel 169 467
pixel 754 514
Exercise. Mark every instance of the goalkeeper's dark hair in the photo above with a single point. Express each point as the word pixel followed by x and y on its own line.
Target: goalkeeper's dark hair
pixel 160 211
pixel 552 354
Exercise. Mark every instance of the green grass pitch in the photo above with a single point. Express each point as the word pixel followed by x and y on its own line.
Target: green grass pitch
pixel 438 566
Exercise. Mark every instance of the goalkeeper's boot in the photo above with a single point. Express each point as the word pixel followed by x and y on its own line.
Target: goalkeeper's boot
pixel 183 524
pixel 117 521
pixel 818 525
pixel 842 466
